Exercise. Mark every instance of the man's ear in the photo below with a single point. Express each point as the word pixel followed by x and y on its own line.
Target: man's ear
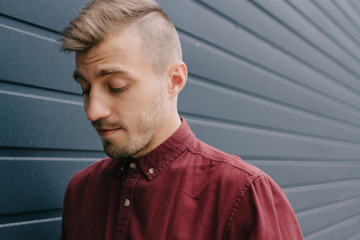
pixel 177 78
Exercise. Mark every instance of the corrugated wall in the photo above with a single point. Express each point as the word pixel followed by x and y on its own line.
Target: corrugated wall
pixel 275 82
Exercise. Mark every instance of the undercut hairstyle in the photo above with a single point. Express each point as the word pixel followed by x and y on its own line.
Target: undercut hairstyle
pixel 159 39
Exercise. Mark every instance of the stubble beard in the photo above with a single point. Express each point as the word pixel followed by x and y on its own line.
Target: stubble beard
pixel 148 122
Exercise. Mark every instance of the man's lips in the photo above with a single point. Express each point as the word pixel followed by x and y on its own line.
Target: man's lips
pixel 106 132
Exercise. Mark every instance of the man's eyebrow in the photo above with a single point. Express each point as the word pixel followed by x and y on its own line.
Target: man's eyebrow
pixel 77 76
pixel 105 72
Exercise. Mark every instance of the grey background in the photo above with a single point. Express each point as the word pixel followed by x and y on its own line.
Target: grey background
pixel 275 82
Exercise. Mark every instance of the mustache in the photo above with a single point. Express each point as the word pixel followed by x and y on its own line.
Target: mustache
pixel 102 123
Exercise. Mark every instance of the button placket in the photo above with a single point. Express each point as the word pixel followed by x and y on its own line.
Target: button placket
pixel 126 203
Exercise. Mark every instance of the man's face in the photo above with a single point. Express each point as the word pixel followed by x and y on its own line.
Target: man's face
pixel 123 98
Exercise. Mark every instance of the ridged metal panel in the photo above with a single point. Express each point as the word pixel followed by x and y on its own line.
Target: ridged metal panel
pixel 275 82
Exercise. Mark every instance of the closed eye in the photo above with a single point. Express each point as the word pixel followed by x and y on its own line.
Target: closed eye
pixel 118 90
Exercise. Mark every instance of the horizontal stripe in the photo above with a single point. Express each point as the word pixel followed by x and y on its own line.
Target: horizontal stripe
pixel 40 97
pixel 16 224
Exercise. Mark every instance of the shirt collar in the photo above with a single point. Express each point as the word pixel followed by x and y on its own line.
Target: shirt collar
pixel 158 159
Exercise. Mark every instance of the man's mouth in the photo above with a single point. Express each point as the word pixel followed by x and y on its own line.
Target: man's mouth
pixel 106 132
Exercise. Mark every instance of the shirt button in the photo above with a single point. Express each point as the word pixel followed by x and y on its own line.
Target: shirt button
pixel 132 166
pixel 151 170
pixel 126 203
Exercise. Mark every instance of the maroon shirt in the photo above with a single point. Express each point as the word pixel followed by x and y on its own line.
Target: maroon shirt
pixel 184 189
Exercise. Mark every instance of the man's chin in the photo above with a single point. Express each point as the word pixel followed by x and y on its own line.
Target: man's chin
pixel 114 151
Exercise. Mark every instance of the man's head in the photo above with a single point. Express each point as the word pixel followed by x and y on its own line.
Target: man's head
pixel 100 18
pixel 129 65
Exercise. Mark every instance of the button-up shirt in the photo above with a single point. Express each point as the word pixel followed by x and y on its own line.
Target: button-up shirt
pixel 183 189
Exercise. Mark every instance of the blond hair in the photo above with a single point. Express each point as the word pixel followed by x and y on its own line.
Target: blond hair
pixel 99 18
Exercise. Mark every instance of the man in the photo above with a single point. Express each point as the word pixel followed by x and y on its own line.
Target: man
pixel 159 181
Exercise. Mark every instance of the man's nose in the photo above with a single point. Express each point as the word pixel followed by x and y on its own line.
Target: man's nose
pixel 96 107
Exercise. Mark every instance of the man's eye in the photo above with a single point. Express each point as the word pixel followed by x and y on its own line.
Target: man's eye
pixel 118 90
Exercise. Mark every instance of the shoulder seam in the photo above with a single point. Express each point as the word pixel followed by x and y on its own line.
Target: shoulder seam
pixel 223 160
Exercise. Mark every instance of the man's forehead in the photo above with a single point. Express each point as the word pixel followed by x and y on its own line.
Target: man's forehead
pixel 116 43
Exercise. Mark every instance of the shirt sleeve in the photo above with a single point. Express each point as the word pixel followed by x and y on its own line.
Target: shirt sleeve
pixel 263 213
